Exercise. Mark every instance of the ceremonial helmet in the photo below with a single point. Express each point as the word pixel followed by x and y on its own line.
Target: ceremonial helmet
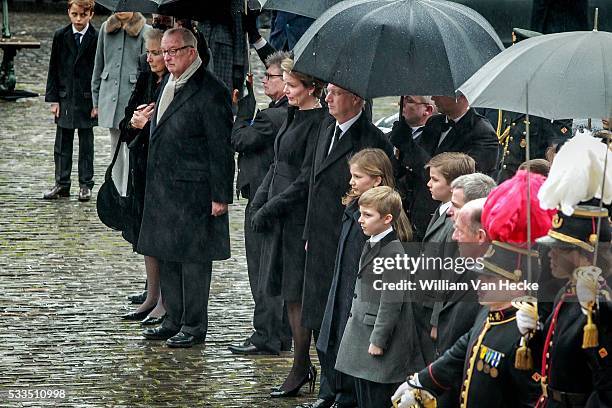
pixel 579 230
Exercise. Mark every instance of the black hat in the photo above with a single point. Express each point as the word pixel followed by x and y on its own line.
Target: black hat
pixel 579 229
pixel 520 34
pixel 508 260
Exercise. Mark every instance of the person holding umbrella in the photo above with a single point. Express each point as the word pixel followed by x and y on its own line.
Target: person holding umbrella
pixel 458 128
pixel 349 132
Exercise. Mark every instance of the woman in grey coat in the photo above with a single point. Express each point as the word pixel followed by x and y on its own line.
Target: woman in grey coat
pixel 120 44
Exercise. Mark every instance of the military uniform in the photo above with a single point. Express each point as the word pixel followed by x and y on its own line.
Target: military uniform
pixel 512 134
pixel 574 373
pixel 571 375
pixel 483 360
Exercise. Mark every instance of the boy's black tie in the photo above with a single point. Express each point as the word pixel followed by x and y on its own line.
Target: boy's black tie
pixel 77 39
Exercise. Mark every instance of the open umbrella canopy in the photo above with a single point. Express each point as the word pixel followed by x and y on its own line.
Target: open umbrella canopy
pixel 308 8
pixel 397 47
pixel 555 76
pixel 216 10
pixel 143 6
pixel 108 4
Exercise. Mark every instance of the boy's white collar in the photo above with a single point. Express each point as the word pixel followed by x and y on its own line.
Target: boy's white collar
pixel 376 238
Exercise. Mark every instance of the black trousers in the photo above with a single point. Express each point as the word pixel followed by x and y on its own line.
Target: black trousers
pixel 185 288
pixel 374 395
pixel 269 317
pixel 334 385
pixel 62 154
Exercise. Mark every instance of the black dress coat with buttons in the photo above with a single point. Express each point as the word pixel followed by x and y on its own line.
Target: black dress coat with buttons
pixel 190 165
pixel 329 182
pixel 584 375
pixel 481 362
pixel 341 293
pixel 69 78
pixel 543 134
pixel 280 204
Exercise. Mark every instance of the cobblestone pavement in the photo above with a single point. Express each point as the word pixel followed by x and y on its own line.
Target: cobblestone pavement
pixel 64 277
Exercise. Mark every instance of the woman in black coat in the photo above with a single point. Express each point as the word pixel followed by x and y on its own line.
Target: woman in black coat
pixel 279 210
pixel 135 132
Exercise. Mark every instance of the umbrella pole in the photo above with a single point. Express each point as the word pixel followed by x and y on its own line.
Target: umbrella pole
pixel 527 158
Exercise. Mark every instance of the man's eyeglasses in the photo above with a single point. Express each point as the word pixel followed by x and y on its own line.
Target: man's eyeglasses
pixel 173 51
pixel 155 53
pixel 336 94
pixel 268 76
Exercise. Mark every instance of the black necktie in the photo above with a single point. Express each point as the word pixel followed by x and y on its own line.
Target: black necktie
pixel 77 39
pixel 335 138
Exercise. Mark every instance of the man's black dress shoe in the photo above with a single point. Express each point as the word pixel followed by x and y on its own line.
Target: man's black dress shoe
pixel 57 192
pixel 158 333
pixel 139 298
pixel 136 315
pixel 84 194
pixel 320 403
pixel 184 340
pixel 151 321
pixel 250 349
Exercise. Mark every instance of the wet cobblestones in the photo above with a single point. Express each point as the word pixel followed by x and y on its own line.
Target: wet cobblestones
pixel 64 277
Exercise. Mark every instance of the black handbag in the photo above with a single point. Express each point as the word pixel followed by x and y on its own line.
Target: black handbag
pixel 114 210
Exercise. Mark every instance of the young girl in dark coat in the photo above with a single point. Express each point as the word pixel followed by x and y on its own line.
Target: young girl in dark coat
pixel 369 168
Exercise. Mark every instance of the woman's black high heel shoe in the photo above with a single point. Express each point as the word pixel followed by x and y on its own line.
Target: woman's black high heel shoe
pixel 311 379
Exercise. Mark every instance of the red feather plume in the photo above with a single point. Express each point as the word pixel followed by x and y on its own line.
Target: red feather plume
pixel 504 215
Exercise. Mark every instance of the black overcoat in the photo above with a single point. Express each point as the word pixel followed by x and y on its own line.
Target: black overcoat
pixel 254 143
pixel 145 91
pixel 281 201
pixel 190 165
pixel 340 297
pixel 472 135
pixel 329 182
pixel 69 78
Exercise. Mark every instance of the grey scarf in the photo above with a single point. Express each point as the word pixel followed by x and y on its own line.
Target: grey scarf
pixel 173 85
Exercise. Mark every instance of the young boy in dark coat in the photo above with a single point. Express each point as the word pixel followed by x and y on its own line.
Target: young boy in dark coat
pixel 69 91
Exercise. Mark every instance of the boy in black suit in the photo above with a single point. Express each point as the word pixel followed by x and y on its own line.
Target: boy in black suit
pixel 69 91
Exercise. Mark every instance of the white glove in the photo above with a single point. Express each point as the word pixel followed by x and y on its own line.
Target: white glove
pixel 585 293
pixel 587 285
pixel 405 391
pixel 402 391
pixel 525 321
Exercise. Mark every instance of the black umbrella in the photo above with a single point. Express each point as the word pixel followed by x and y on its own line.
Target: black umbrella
pixel 215 10
pixel 397 47
pixel 108 4
pixel 308 8
pixel 143 6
